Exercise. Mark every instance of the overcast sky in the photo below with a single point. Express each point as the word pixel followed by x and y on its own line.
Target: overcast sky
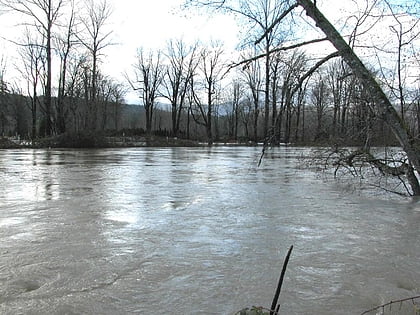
pixel 151 24
pixel 138 23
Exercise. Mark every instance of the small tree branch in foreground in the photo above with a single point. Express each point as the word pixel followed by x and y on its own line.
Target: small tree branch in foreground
pixel 283 271
pixel 390 303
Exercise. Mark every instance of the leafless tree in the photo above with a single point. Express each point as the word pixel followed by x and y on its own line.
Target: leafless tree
pixel 118 93
pixel 32 69
pixel 43 15
pixel 337 77
pixel 319 100
pixel 404 26
pixel 384 107
pixel 245 115
pixel 4 97
pixel 77 84
pixel 211 69
pixel 95 38
pixel 66 42
pixel 295 67
pixel 110 97
pixel 183 62
pixel 147 80
pixel 260 17
pixel 252 77
pixel 233 101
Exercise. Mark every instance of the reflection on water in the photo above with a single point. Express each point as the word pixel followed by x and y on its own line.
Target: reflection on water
pixel 194 231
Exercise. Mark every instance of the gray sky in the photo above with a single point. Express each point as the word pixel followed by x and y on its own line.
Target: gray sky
pixel 150 24
pixel 135 24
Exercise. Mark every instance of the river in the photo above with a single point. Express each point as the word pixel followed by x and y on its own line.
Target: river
pixel 196 231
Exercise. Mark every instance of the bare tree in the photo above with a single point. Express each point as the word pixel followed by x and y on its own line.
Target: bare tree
pixel 183 62
pixel 211 69
pixel 110 97
pixel 276 70
pixel 118 93
pixel 4 97
pixel 43 15
pixel 76 84
pixel 384 107
pixel 252 78
pixel 300 113
pixel 405 27
pixel 95 39
pixel 236 94
pixel 32 69
pixel 147 79
pixel 260 17
pixel 245 115
pixel 65 44
pixel 336 76
pixel 319 100
pixel 264 14
pixel 295 67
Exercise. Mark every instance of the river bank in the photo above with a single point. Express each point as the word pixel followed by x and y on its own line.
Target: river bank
pixel 97 141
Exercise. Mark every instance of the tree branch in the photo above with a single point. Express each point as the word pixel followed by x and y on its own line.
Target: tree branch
pixel 278 20
pixel 390 303
pixel 313 69
pixel 278 49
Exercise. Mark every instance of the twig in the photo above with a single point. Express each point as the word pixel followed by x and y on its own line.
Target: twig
pixel 390 303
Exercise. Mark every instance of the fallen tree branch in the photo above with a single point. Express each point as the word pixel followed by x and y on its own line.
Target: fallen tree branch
pixel 370 168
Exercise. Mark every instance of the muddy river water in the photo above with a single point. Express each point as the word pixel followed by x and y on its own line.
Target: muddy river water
pixel 195 231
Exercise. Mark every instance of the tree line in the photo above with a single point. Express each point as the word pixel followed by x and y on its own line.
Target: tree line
pixel 273 91
pixel 60 51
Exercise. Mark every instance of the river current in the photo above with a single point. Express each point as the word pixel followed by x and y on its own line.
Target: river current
pixel 196 231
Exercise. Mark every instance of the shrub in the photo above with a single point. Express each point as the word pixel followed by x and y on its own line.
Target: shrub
pixel 81 140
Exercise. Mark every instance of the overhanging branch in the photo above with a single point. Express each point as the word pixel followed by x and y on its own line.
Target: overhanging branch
pixel 278 49
pixel 313 69
pixel 278 20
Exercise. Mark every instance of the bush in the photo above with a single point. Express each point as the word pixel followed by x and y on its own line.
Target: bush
pixel 81 140
pixel 7 144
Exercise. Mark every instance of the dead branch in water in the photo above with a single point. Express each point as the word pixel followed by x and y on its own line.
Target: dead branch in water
pixel 274 307
pixel 359 162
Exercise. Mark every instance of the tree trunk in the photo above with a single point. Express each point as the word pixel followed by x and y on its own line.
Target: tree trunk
pixel 209 117
pixel 267 91
pixel 149 119
pixel 256 114
pixel 33 111
pixel 48 96
pixel 174 114
pixel 418 118
pixel 387 111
